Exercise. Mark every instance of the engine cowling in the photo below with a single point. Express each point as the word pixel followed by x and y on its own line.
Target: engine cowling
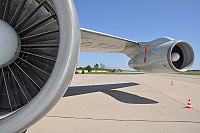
pixel 170 56
pixel 41 41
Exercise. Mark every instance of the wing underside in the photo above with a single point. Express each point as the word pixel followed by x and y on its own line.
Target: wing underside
pixel 92 41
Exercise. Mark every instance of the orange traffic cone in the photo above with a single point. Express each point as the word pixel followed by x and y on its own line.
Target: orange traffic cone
pixel 189 104
pixel 172 83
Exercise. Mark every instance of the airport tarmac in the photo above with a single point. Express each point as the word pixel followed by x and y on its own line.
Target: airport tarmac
pixel 126 104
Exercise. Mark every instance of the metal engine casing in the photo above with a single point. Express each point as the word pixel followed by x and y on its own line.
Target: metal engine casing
pixel 159 59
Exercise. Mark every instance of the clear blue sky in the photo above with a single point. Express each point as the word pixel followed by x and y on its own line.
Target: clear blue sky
pixel 139 20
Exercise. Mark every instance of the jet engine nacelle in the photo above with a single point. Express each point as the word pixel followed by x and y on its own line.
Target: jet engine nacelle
pixel 168 56
pixel 37 61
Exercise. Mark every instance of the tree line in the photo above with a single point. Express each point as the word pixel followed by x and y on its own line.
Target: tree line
pixel 88 68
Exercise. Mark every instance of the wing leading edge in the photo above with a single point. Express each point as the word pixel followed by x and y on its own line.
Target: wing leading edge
pixel 92 41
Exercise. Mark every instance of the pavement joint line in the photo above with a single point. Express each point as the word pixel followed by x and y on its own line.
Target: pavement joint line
pixel 186 76
pixel 165 94
pixel 161 79
pixel 123 120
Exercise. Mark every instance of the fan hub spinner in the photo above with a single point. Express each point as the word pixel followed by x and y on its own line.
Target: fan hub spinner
pixel 9 44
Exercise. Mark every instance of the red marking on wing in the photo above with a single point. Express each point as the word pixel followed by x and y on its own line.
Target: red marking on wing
pixel 145 53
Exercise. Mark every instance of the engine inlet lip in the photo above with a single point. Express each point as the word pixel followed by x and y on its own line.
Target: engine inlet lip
pixel 189 65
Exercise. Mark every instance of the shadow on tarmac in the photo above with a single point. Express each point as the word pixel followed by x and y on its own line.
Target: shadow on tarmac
pixel 111 90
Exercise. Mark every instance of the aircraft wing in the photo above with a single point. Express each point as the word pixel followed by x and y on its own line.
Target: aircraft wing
pixel 92 41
